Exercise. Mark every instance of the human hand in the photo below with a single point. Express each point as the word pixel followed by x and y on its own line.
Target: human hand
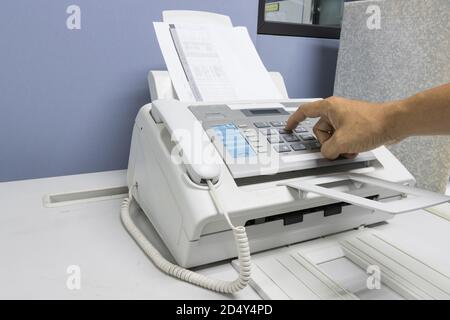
pixel 347 127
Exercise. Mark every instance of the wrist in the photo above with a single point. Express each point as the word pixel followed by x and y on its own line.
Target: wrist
pixel 396 124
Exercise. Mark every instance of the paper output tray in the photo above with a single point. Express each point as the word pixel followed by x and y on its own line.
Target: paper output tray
pixel 337 267
pixel 412 198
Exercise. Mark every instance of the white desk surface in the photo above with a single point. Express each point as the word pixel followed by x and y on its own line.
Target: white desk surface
pixel 37 244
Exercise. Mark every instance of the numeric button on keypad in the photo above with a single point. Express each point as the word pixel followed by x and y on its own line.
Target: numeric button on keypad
pixel 262 124
pixel 284 131
pixel 307 136
pixel 268 132
pixel 278 123
pixel 282 148
pixel 301 130
pixel 274 139
pixel 298 146
pixel 290 138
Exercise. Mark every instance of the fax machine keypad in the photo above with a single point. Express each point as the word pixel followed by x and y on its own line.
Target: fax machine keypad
pixel 266 135
pixel 271 134
pixel 248 138
pixel 247 151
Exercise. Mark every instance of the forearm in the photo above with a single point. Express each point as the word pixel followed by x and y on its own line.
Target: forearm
pixel 426 113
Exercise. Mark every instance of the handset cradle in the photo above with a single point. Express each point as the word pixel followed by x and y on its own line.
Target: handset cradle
pixel 198 154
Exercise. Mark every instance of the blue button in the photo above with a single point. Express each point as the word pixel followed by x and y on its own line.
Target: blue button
pixel 241 151
pixel 234 141
pixel 224 128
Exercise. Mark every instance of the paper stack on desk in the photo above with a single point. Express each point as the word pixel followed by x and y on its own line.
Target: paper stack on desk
pixel 212 61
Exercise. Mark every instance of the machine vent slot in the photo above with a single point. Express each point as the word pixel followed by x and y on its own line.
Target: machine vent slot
pixel 297 216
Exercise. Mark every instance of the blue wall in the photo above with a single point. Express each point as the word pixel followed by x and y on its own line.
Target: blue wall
pixel 308 65
pixel 68 98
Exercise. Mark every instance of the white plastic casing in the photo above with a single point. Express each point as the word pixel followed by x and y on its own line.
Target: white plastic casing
pixel 185 217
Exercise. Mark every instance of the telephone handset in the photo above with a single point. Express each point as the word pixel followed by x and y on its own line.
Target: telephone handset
pixel 196 150
pixel 203 166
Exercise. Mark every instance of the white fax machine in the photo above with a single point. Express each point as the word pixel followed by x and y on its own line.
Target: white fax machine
pixel 274 183
pixel 270 202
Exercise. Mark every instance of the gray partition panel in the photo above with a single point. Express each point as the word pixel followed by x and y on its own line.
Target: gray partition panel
pixel 410 52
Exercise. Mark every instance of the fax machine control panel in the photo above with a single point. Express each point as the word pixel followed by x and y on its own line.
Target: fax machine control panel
pixel 253 141
pixel 246 139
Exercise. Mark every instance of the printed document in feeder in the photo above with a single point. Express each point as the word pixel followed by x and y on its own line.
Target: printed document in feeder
pixel 214 63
